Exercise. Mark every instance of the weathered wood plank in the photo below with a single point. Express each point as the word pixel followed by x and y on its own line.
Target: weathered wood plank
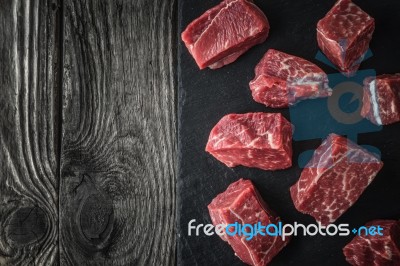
pixel 29 132
pixel 117 201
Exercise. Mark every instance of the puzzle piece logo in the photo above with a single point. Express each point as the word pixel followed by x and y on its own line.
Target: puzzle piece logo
pixel 339 113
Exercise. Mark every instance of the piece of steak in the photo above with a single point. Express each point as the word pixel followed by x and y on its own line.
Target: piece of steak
pixel 226 31
pixel 381 101
pixel 242 203
pixel 334 179
pixel 261 140
pixel 282 79
pixel 344 35
pixel 378 250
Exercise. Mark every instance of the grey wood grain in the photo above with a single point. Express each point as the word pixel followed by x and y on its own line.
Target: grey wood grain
pixel 29 132
pixel 117 186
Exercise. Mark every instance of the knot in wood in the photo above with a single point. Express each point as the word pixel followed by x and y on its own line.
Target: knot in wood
pixel 27 225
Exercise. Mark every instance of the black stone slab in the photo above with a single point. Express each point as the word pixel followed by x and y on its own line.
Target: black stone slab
pixel 206 96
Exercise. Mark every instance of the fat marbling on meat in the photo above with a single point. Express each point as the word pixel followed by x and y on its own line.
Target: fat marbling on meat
pixel 242 203
pixel 282 79
pixel 225 32
pixel 344 35
pixel 334 179
pixel 375 250
pixel 261 140
pixel 381 101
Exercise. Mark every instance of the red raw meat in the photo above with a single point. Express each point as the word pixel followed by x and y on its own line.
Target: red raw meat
pixel 282 80
pixel 225 32
pixel 258 140
pixel 381 101
pixel 344 35
pixel 376 250
pixel 242 203
pixel 334 179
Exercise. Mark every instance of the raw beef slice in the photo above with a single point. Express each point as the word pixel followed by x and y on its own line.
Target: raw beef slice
pixel 381 101
pixel 334 179
pixel 376 250
pixel 282 80
pixel 344 35
pixel 242 203
pixel 258 140
pixel 223 33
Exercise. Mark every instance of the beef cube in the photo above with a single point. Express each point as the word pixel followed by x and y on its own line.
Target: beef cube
pixel 282 80
pixel 377 250
pixel 344 35
pixel 242 203
pixel 226 31
pixel 260 140
pixel 334 179
pixel 381 101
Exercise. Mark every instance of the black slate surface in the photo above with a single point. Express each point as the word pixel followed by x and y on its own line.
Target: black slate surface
pixel 206 96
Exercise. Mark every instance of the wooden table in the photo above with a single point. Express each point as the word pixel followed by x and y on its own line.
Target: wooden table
pixel 87 132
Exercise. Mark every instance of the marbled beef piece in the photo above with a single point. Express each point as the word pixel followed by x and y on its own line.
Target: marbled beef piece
pixel 225 32
pixel 381 101
pixel 334 179
pixel 344 35
pixel 378 250
pixel 261 140
pixel 242 203
pixel 282 79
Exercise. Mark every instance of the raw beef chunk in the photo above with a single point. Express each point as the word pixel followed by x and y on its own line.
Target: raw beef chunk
pixel 282 80
pixel 381 101
pixel 223 33
pixel 242 203
pixel 258 140
pixel 378 250
pixel 334 179
pixel 344 35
